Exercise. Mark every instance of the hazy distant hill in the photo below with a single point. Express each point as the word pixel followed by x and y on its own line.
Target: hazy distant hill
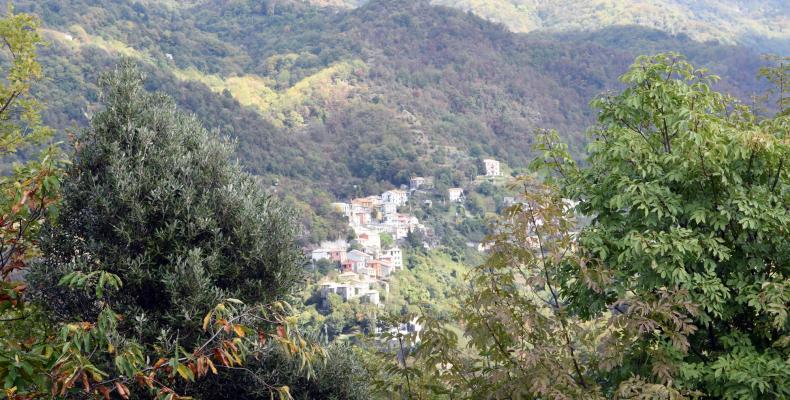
pixel 763 24
pixel 367 96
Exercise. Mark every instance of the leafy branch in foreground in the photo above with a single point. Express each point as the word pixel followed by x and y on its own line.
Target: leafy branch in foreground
pixel 688 195
pixel 30 188
pixel 95 358
pixel 29 191
pixel 674 285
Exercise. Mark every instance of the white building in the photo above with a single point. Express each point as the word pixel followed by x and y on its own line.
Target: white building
pixel 484 247
pixel 394 227
pixel 330 250
pixel 319 254
pixel 394 256
pixel 416 182
pixel 491 167
pixel 389 209
pixel 348 292
pixel 357 260
pixel 387 268
pixel 339 244
pixel 370 296
pixel 341 289
pixel 455 194
pixel 411 327
pixel 351 286
pixel 397 197
pixel 370 241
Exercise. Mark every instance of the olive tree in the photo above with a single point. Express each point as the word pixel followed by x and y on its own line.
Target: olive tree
pixel 164 249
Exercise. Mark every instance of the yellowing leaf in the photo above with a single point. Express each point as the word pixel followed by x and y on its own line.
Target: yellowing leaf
pixel 239 330
pixel 185 372
pixel 211 365
pixel 206 320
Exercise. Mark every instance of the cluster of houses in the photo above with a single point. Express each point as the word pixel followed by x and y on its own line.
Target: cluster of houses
pixel 369 265
pixel 370 216
pixel 362 271
pixel 376 264
pixel 350 285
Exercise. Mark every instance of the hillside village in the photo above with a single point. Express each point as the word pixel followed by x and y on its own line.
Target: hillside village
pixel 367 263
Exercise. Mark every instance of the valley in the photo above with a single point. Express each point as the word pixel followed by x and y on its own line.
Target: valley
pixel 394 199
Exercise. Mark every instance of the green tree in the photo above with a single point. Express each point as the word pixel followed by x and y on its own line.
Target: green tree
pixel 386 240
pixel 678 285
pixel 151 202
pixel 778 74
pixel 476 204
pixel 415 239
pixel 28 196
pixel 29 188
pixel 152 197
pixel 342 377
pixel 37 356
pixel 688 195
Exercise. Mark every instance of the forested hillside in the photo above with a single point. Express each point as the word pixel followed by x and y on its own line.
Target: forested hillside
pixel 357 97
pixel 328 103
pixel 755 23
pixel 759 24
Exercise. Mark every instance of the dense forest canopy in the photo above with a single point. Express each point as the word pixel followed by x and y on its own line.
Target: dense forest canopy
pixel 327 103
pixel 323 94
pixel 755 23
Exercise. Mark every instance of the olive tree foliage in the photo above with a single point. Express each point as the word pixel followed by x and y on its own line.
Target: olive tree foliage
pixel 174 260
pixel 677 286
pixel 152 197
pixel 342 377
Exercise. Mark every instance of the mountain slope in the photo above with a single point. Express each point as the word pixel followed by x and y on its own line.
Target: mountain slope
pixel 762 24
pixel 362 97
pixel 756 23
